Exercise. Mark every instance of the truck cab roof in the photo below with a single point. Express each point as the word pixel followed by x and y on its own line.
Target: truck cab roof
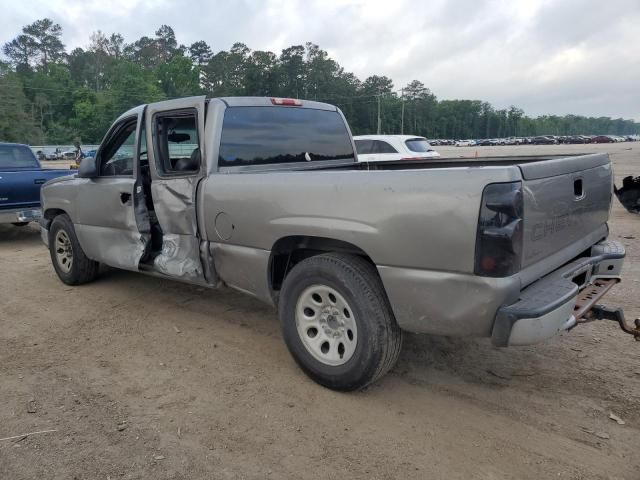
pixel 245 102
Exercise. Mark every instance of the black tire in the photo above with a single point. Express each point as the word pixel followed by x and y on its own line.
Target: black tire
pixel 20 224
pixel 83 269
pixel 379 338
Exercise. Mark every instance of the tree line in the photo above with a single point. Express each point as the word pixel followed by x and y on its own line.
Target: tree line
pixel 51 95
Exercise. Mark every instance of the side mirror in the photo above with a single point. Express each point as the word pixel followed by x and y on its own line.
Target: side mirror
pixel 88 168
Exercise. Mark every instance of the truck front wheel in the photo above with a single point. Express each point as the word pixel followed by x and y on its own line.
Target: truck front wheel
pixel 337 322
pixel 69 261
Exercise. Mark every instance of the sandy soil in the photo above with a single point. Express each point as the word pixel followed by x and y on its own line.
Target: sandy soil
pixel 148 379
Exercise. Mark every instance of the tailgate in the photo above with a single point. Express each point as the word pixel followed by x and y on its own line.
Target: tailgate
pixel 565 199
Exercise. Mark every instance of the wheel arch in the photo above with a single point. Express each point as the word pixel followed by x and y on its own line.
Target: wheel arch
pixel 50 213
pixel 287 251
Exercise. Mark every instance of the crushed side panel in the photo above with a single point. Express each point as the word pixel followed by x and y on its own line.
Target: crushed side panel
pixel 176 212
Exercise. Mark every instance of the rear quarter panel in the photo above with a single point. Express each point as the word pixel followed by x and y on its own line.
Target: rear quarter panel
pixel 417 219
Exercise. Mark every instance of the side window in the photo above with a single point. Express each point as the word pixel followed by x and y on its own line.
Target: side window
pixel 382 147
pixel 142 150
pixel 143 156
pixel 116 157
pixel 176 142
pixel 364 147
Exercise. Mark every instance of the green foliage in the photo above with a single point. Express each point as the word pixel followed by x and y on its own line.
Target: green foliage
pixel 17 122
pixel 38 45
pixel 47 94
pixel 200 53
pixel 20 51
pixel 178 77
pixel 91 114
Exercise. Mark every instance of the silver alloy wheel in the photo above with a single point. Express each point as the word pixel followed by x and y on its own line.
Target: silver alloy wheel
pixel 326 325
pixel 64 251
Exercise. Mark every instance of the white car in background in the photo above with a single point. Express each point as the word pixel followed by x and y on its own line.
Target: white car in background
pixel 379 148
pixel 465 143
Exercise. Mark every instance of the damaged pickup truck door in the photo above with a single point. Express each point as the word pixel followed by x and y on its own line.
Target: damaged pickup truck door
pixel 177 164
pixel 106 221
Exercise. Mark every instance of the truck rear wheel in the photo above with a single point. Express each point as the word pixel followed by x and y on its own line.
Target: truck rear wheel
pixel 69 261
pixel 337 322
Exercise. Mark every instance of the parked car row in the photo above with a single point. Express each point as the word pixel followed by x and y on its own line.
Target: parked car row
pixel 57 154
pixel 376 148
pixel 60 152
pixel 539 140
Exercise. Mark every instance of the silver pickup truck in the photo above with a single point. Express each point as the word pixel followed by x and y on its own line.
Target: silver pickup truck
pixel 265 195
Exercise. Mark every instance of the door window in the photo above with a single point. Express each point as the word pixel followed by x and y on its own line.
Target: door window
pixel 176 137
pixel 364 147
pixel 116 157
pixel 382 147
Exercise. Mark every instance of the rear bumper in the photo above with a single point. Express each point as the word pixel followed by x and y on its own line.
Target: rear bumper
pixel 547 306
pixel 20 215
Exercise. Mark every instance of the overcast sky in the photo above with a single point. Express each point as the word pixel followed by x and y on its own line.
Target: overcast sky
pixel 545 56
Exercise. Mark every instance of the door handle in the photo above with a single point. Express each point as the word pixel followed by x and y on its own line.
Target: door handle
pixel 39 181
pixel 125 197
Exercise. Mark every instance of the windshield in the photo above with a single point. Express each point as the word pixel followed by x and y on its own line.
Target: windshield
pixel 418 145
pixel 17 156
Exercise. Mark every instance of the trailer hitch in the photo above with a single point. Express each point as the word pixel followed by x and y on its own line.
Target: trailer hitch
pixel 602 312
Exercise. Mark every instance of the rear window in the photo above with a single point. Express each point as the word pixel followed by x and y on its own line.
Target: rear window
pixel 269 135
pixel 17 156
pixel 418 145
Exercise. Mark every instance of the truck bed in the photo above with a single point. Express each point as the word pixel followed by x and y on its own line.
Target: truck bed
pixel 458 162
pixel 431 216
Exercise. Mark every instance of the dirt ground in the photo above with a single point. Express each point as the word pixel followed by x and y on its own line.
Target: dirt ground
pixel 141 378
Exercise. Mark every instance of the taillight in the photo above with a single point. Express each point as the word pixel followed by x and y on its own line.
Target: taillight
pixel 499 239
pixel 287 102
